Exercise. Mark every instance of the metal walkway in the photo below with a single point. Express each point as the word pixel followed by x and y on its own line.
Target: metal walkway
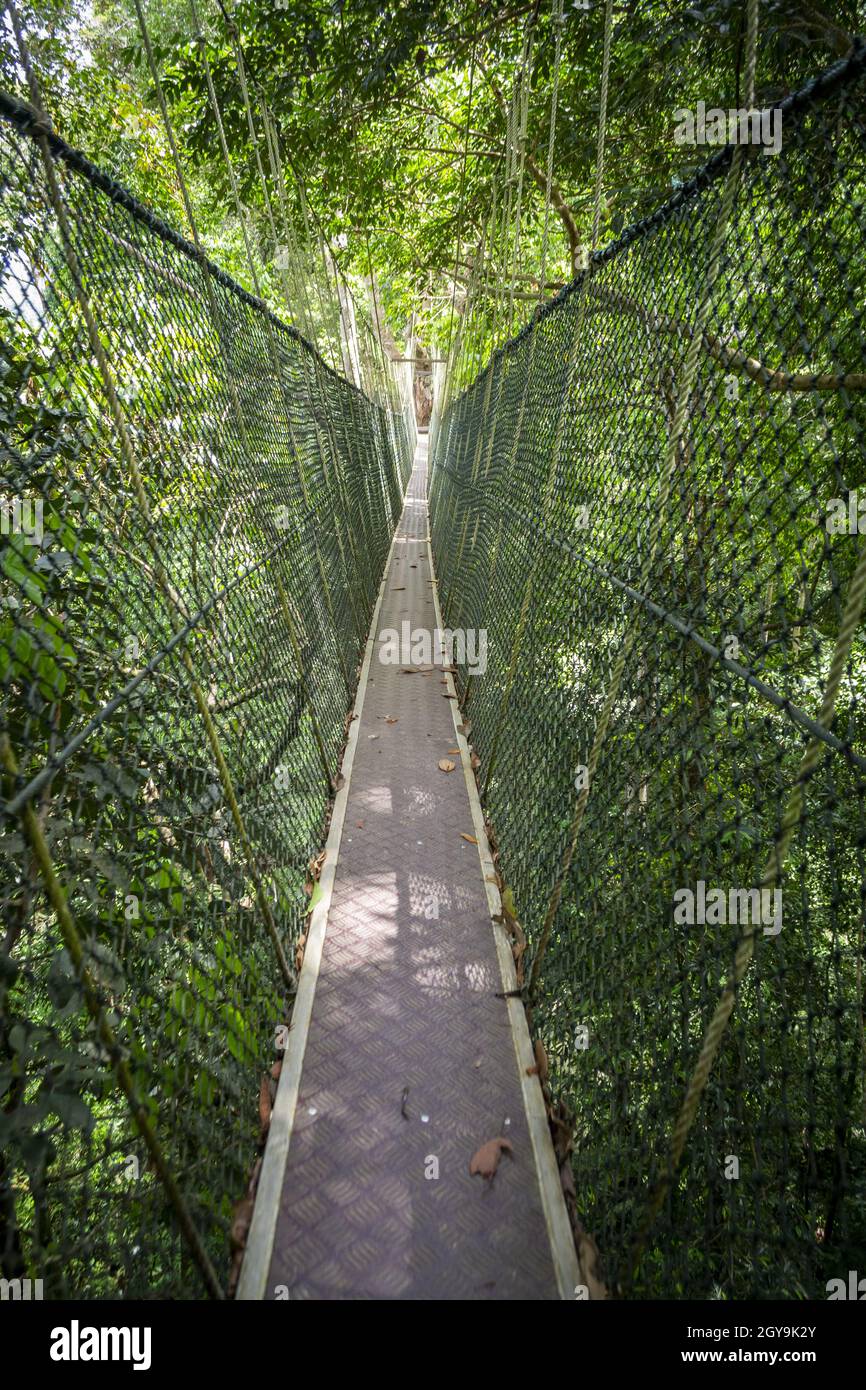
pixel 402 1061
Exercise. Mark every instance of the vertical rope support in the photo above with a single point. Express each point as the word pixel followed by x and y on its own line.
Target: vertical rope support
pixel 129 456
pixel 275 364
pixel 176 613
pixel 568 383
pixel 684 396
pixel 30 821
pixel 445 384
pixel 557 22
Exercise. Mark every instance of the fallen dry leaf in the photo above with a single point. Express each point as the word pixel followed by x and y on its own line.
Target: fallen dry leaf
pixel 360 824
pixel 453 750
pixel 541 1063
pixel 446 765
pixel 399 590
pixel 391 719
pixel 471 838
pixel 475 761
pixel 532 1071
pixel 486 1160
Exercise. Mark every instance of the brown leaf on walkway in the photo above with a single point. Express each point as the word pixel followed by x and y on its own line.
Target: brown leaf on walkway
pixel 486 1160
pixel 360 824
pixel 541 1062
pixel 471 838
pixel 399 589
pixel 453 750
pixel 391 719
pixel 532 1071
pixel 446 765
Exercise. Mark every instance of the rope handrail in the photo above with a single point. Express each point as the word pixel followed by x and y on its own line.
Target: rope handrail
pixel 23 116
pixel 675 498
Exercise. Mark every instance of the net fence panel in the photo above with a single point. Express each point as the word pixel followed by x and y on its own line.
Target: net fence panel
pixel 213 612
pixel 545 511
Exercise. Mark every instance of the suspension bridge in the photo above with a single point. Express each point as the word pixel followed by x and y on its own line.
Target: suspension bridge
pixel 338 966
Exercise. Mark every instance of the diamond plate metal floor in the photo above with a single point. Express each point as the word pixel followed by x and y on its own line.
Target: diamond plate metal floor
pixel 405 1007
